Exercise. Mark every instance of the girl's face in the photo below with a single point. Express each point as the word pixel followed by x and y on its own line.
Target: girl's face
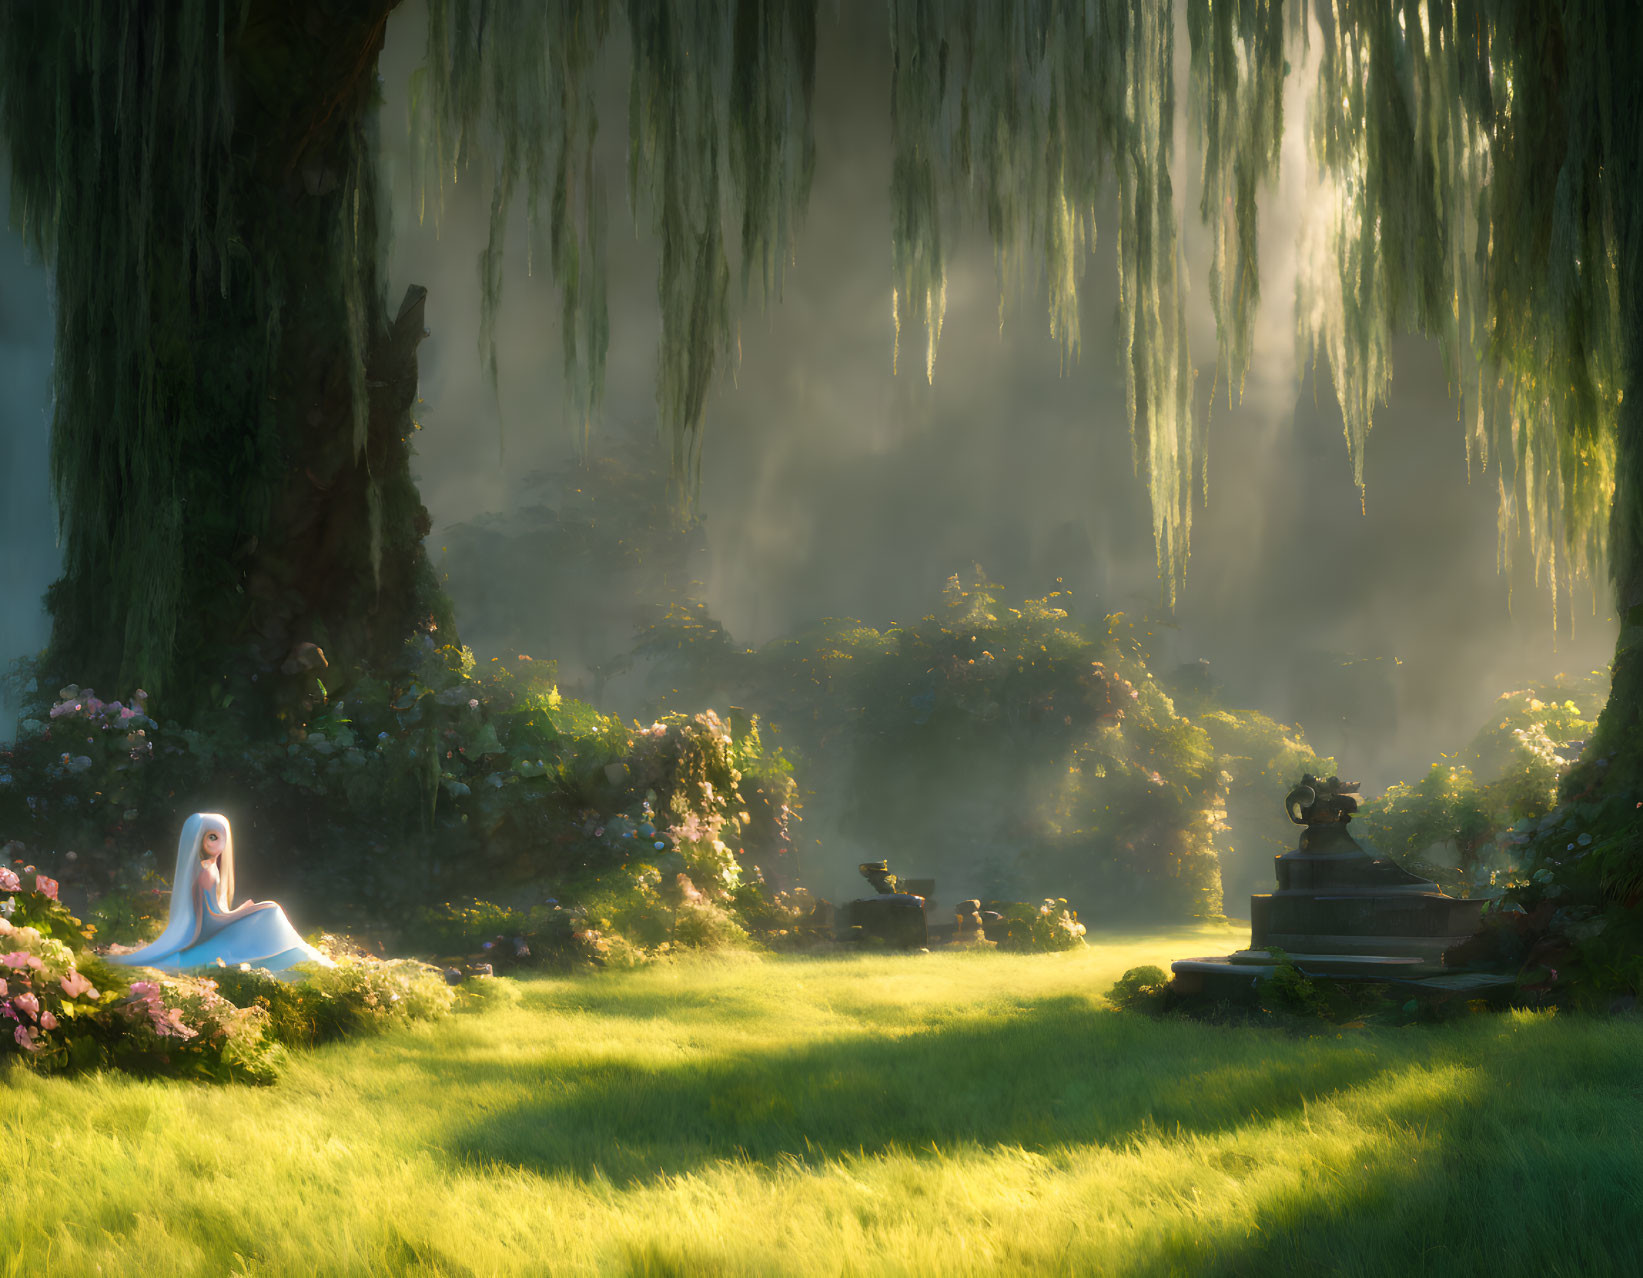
pixel 213 844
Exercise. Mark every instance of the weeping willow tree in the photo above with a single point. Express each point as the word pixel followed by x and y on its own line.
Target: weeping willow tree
pixel 1476 168
pixel 231 394
pixel 229 450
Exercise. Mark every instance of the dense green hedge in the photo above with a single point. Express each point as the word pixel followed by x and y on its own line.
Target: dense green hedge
pixel 377 799
pixel 1011 748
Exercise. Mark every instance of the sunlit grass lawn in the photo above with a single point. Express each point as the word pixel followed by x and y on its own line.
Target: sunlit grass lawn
pixel 953 1113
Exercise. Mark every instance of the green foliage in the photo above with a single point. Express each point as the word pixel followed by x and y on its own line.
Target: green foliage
pixel 517 82
pixel 776 919
pixel 706 925
pixel 128 918
pixel 654 910
pixel 1022 114
pixel 1442 822
pixel 357 996
pixel 65 1008
pixel 490 775
pixel 1572 913
pixel 1290 997
pixel 1474 195
pixel 624 916
pixel 1291 990
pixel 1029 751
pixel 1466 833
pixel 1034 929
pixel 1140 989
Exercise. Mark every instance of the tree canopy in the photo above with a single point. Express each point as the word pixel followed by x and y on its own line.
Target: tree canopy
pixel 1479 158
pixel 1465 149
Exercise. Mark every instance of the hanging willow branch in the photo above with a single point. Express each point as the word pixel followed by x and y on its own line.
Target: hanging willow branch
pixel 719 127
pixel 1031 114
pixel 200 178
pixel 1458 145
pixel 1466 146
pixel 512 85
pixel 137 221
pixel 1240 61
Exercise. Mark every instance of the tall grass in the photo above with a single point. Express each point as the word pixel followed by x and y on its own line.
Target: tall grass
pixel 924 1115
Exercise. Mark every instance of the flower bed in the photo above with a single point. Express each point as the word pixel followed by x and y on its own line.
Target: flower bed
pixel 62 1007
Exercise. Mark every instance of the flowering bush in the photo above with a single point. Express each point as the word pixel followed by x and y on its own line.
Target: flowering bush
pixel 1050 926
pixel 182 1026
pixel 43 999
pixel 689 763
pixel 1036 751
pixel 359 995
pixel 62 1007
pixel 80 764
pixel 454 773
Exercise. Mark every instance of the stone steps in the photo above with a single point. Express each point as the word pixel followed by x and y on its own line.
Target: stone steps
pixel 1340 914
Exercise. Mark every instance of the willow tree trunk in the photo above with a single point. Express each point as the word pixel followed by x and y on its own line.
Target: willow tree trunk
pixel 231 440
pixel 1613 765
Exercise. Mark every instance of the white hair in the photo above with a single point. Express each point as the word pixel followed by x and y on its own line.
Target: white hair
pixel 182 928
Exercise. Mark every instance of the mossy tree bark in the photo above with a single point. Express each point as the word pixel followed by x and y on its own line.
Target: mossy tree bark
pixel 1613 764
pixel 230 445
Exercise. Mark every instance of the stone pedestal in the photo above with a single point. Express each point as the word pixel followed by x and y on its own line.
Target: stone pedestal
pixel 892 919
pixel 1340 914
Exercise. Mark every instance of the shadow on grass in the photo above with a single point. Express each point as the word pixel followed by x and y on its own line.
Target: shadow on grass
pixel 1058 1073
pixel 1531 1167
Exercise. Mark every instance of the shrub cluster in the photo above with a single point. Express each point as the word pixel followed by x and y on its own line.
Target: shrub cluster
pixel 1028 928
pixel 1466 823
pixel 359 995
pixel 1031 752
pixel 1141 989
pixel 387 797
pixel 64 1008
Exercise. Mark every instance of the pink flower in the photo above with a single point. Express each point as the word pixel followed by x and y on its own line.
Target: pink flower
pixel 27 1003
pixel 173 1026
pixel 47 887
pixel 2 989
pixel 18 960
pixel 9 882
pixel 47 1021
pixel 74 985
pixel 25 1034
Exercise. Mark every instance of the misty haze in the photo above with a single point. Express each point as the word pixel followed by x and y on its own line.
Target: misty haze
pixel 738 637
